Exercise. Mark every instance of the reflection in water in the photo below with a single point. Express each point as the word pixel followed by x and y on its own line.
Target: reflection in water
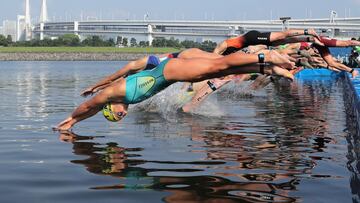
pixel 282 144
pixel 32 93
pixel 124 163
pixel 33 90
pixel 264 165
pixel 353 140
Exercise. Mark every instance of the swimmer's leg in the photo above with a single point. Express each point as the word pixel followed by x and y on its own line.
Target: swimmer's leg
pixel 204 92
pixel 200 69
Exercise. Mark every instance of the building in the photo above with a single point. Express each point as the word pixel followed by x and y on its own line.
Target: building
pixel 43 14
pixel 194 30
pixel 20 34
pixel 28 26
pixel 9 28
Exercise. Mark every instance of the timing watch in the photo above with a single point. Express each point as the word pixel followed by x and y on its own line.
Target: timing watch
pixel 261 58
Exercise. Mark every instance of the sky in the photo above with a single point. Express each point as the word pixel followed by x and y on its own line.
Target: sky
pixel 61 10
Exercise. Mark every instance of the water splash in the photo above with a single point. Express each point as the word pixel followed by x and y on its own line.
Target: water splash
pixel 167 103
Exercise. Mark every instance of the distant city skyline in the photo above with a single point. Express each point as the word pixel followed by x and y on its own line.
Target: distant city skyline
pixel 61 10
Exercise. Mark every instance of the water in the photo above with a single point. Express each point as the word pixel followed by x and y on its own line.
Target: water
pixel 289 142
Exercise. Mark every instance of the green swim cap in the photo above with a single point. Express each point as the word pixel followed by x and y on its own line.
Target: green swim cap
pixel 357 49
pixel 109 114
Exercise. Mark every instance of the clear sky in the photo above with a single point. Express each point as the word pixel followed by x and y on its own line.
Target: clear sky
pixel 182 9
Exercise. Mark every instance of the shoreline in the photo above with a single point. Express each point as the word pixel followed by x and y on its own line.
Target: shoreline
pixel 72 56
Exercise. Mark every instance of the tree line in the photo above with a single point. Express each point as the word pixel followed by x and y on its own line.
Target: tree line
pixel 96 41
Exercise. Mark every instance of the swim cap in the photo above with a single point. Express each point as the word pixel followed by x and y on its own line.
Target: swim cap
pixel 304 45
pixel 109 114
pixel 283 46
pixel 357 49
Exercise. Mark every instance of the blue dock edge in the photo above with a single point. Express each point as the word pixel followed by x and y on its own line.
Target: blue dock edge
pixel 351 91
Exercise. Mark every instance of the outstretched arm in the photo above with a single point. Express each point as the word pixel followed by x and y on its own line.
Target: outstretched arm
pixel 347 43
pixel 89 108
pixel 291 33
pixel 325 54
pixel 130 68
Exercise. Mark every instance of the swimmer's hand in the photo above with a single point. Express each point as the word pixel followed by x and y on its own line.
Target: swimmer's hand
pixel 87 92
pixel 64 125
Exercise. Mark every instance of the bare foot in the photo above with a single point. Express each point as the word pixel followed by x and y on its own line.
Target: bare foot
pixel 294 71
pixel 276 70
pixel 280 60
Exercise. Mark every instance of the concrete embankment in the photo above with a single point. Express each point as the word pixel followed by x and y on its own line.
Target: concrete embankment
pixel 70 56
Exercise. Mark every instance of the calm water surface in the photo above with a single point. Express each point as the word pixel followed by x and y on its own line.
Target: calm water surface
pixel 286 143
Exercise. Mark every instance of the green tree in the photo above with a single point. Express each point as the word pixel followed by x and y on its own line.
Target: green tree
pixel 142 44
pixel 69 40
pixel 172 42
pixel 133 42
pixel 110 42
pixel 3 41
pixel 159 42
pixel 119 40
pixel 94 41
pixel 34 43
pixel 47 42
pixel 9 39
pixel 208 45
pixel 86 41
pixel 125 42
pixel 190 44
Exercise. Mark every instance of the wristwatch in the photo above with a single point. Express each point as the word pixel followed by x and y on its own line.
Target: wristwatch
pixel 261 58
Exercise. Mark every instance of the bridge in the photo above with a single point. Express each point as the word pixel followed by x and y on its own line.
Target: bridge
pixel 147 30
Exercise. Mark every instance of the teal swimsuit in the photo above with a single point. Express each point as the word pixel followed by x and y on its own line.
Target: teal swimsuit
pixel 145 84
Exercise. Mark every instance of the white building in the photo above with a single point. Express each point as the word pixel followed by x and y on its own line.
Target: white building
pixel 1 31
pixel 44 13
pixel 20 33
pixel 9 28
pixel 28 29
